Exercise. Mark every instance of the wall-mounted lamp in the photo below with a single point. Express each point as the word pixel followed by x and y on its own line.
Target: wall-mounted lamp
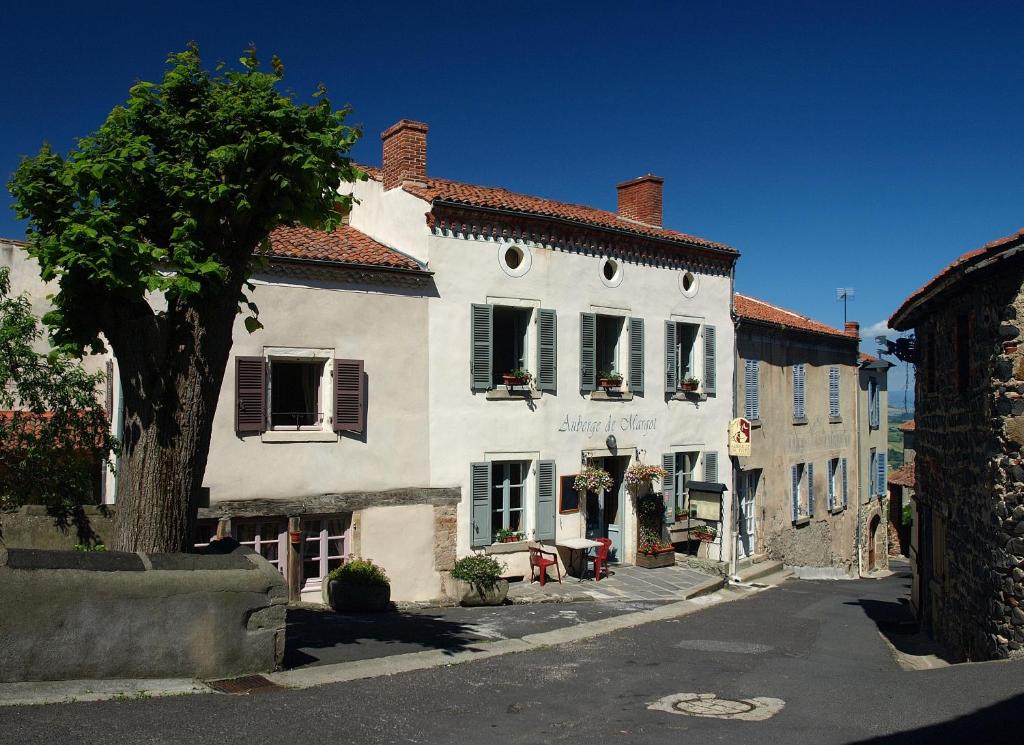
pixel 611 443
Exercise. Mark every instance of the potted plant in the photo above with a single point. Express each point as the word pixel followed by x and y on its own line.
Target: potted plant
pixel 592 479
pixel 357 585
pixel 504 535
pixel 518 376
pixel 689 385
pixel 652 552
pixel 681 514
pixel 476 580
pixel 609 379
pixel 705 533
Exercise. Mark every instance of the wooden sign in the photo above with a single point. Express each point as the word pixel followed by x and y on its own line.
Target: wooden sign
pixel 739 437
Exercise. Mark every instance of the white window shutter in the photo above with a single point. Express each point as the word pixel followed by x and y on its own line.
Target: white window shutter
pixel 810 490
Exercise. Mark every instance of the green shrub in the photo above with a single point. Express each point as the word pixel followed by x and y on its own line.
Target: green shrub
pixel 360 572
pixel 908 515
pixel 478 569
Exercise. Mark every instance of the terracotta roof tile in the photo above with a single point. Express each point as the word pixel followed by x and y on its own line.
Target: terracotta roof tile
pixel 908 426
pixel 753 309
pixel 903 476
pixel 495 197
pixel 345 245
pixel 962 262
pixel 865 357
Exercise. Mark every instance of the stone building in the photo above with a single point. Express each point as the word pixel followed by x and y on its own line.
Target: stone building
pixel 873 452
pixel 799 492
pixel 968 541
pixel 901 492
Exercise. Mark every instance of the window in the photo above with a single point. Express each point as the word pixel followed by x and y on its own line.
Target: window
pixel 836 483
pixel 751 389
pixel 833 394
pixel 683 356
pixel 295 401
pixel 686 346
pixel 799 381
pixel 268 538
pixel 289 390
pixel 510 341
pixel 685 467
pixel 500 340
pixel 609 329
pixel 802 493
pixel 324 547
pixel 611 273
pixel 688 284
pixel 872 471
pixel 508 506
pixel 873 403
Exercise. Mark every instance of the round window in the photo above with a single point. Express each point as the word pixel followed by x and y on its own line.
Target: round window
pixel 688 283
pixel 611 272
pixel 515 261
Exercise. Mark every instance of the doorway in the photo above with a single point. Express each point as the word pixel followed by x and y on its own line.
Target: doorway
pixel 605 511
pixel 746 520
pixel 872 541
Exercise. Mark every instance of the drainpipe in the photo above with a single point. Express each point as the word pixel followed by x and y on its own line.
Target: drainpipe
pixel 860 482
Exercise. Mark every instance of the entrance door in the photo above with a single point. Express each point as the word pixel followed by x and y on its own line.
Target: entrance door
pixel 605 511
pixel 872 540
pixel 746 518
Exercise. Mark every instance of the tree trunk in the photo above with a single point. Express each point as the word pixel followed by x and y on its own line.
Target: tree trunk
pixel 171 370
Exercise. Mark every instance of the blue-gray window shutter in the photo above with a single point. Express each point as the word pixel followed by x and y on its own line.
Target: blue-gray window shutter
pixel 873 403
pixel 751 395
pixel 545 500
pixel 588 352
pixel 668 486
pixel 710 372
pixel 882 486
pixel 798 391
pixel 873 474
pixel 845 492
pixel 547 350
pixel 671 373
pixel 830 483
pixel 480 486
pixel 810 490
pixel 796 493
pixel 636 355
pixel 711 466
pixel 833 391
pixel 482 323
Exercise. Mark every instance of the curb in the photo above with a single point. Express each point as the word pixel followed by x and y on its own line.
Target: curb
pixel 68 691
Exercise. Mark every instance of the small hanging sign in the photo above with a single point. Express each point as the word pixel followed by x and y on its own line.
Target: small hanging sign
pixel 739 437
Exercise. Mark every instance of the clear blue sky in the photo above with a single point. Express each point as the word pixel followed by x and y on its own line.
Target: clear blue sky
pixel 857 144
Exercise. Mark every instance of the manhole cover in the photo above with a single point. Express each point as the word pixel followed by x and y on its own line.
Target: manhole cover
pixel 710 705
pixel 244 685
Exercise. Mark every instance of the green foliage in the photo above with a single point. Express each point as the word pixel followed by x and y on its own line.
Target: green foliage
pixel 478 569
pixel 177 190
pixel 908 515
pixel 360 572
pixel 504 533
pixel 90 547
pixel 609 375
pixel 649 511
pixel 54 433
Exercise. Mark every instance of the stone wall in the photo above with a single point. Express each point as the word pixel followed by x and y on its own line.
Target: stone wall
pixel 101 615
pixel 970 479
pixel 36 526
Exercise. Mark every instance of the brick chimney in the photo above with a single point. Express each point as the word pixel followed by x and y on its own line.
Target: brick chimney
pixel 405 153
pixel 852 329
pixel 640 199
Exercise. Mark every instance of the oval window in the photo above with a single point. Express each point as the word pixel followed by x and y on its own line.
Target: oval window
pixel 611 272
pixel 515 261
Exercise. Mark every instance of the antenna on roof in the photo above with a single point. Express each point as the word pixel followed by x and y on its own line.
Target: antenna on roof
pixel 845 294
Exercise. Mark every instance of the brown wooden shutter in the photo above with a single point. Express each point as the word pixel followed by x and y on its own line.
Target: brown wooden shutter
pixel 250 395
pixel 349 396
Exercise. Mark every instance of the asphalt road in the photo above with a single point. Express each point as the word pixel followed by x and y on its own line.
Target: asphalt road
pixel 813 645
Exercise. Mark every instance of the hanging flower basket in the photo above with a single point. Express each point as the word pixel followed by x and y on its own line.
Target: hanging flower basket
pixel 593 479
pixel 640 474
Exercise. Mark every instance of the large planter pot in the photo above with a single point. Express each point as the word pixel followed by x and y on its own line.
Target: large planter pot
pixel 470 595
pixel 656 561
pixel 349 597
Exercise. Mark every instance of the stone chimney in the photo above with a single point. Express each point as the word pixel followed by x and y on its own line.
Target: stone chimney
pixel 640 199
pixel 405 153
pixel 853 329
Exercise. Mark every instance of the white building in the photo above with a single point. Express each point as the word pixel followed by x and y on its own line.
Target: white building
pixel 372 404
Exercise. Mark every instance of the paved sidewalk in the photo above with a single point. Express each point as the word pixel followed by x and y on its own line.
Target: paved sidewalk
pixel 625 583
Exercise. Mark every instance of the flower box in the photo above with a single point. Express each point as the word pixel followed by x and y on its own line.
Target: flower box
pixel 689 387
pixel 610 384
pixel 515 380
pixel 662 558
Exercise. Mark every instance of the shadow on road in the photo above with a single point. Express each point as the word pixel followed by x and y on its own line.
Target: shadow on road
pixel 992 725
pixel 310 629
pixel 896 622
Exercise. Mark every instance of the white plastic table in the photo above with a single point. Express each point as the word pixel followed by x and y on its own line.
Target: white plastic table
pixel 581 545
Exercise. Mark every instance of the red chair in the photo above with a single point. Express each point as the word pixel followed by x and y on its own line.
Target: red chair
pixel 537 561
pixel 600 558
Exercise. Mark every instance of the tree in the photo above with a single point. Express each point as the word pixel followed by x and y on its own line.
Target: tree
pixel 152 227
pixel 54 434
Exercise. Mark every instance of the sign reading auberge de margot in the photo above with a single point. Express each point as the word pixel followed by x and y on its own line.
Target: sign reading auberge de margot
pixel 632 423
pixel 739 437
